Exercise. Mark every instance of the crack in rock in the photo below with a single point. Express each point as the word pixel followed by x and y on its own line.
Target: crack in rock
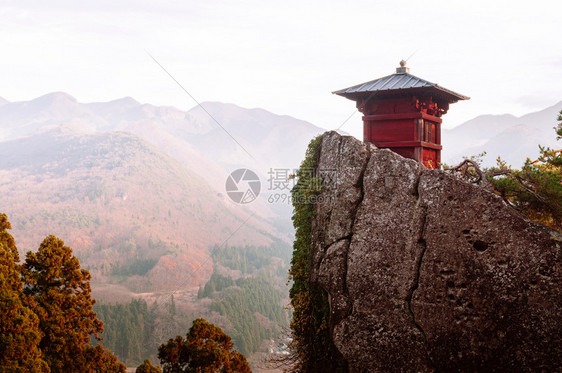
pixel 392 241
pixel 331 261
pixel 359 185
pixel 419 217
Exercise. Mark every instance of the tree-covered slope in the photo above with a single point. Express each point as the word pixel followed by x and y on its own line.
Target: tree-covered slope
pixel 127 208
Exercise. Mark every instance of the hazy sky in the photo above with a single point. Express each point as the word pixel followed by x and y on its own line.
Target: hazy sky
pixel 283 56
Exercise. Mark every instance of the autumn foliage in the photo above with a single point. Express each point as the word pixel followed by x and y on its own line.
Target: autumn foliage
pixel 147 367
pixel 19 326
pixel 206 348
pixel 47 321
pixel 46 311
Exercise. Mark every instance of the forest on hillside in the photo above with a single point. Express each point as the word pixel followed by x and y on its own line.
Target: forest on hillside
pixel 250 302
pixel 51 323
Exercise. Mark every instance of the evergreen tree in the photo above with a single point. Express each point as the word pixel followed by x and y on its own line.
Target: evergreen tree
pixel 7 242
pixel 147 367
pixel 99 360
pixel 206 349
pixel 240 305
pixel 559 126
pixel 536 189
pixel 58 291
pixel 19 326
pixel 172 306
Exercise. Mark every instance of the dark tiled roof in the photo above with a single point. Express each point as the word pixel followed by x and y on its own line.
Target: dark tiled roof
pixel 397 83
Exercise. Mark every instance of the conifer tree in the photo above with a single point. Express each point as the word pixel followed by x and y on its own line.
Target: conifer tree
pixel 206 349
pixel 19 326
pixel 535 189
pixel 147 367
pixel 58 291
pixel 99 360
pixel 7 242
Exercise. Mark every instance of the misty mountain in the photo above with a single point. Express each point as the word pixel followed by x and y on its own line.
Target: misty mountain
pixel 145 172
pixel 121 203
pixel 203 138
pixel 512 138
pixel 139 189
pixel 272 141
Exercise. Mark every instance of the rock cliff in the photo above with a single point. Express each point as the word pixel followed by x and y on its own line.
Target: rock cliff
pixel 426 272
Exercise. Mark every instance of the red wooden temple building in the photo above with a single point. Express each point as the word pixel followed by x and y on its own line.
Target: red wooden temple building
pixel 402 112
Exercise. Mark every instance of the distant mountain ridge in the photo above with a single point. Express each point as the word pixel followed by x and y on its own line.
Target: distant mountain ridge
pixel 126 183
pixel 513 138
pixel 257 130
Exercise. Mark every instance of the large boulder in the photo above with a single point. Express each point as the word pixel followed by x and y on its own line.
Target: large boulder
pixel 427 272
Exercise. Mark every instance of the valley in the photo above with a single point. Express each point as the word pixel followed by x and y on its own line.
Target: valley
pixel 138 192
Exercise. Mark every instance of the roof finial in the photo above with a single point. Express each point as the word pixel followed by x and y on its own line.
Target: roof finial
pixel 402 68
